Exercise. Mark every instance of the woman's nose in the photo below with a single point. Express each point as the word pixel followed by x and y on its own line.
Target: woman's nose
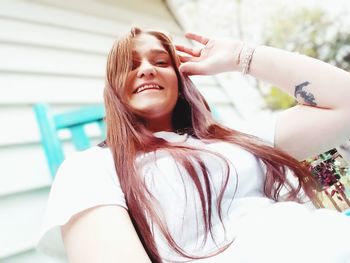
pixel 146 69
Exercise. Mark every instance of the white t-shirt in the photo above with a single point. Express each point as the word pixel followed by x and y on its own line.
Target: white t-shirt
pixel 88 179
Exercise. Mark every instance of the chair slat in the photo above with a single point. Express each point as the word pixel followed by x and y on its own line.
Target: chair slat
pixel 80 139
pixel 49 139
pixel 79 117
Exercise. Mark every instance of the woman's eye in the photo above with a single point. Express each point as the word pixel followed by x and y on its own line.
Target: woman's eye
pixel 161 63
pixel 135 64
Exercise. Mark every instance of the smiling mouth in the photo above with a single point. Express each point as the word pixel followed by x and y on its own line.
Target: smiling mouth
pixel 148 87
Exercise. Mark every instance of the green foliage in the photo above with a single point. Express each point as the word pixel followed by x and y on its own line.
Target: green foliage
pixel 303 31
pixel 277 99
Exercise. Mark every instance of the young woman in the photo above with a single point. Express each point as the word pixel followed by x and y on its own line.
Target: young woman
pixel 171 184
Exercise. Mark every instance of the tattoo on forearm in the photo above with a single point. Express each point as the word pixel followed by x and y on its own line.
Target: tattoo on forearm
pixel 308 97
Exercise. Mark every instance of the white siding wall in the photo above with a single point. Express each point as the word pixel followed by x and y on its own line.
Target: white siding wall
pixel 55 52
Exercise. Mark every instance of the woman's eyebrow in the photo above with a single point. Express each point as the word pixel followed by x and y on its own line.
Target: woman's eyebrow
pixel 153 51
pixel 159 51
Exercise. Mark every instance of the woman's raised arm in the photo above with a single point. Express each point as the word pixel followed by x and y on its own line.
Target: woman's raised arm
pixel 103 234
pixel 318 123
pixel 321 120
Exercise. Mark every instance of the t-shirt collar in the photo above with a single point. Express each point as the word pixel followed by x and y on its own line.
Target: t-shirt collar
pixel 171 136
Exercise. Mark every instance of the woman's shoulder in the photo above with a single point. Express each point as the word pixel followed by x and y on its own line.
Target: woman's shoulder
pixel 93 156
pixel 85 179
pixel 92 152
pixel 89 172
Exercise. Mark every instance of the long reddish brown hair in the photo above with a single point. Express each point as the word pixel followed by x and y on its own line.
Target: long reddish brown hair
pixel 127 137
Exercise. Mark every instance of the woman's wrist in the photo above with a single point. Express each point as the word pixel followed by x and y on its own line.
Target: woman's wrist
pixel 244 58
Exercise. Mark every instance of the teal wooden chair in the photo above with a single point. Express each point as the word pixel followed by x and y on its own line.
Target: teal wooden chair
pixel 74 120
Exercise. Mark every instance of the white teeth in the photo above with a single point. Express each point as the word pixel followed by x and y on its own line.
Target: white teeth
pixel 144 87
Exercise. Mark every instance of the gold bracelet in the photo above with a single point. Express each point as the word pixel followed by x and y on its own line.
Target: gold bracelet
pixel 245 58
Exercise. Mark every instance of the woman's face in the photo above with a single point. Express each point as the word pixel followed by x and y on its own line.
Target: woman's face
pixel 151 88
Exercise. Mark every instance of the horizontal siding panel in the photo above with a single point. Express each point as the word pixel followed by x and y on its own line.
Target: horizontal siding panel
pixel 21 217
pixel 29 59
pixel 88 17
pixel 46 35
pixel 20 126
pixel 30 89
pixel 148 14
pixel 154 8
pixel 31 12
pixel 24 130
pixel 23 168
pixel 33 171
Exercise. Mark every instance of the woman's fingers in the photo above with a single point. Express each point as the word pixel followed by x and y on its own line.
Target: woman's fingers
pixel 193 68
pixel 193 62
pixel 185 58
pixel 201 39
pixel 196 52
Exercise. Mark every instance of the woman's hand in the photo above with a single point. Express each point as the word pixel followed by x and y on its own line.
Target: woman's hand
pixel 216 56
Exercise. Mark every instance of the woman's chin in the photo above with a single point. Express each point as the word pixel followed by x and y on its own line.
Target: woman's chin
pixel 153 112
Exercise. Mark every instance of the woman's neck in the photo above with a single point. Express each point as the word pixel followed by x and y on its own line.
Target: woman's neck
pixel 160 124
